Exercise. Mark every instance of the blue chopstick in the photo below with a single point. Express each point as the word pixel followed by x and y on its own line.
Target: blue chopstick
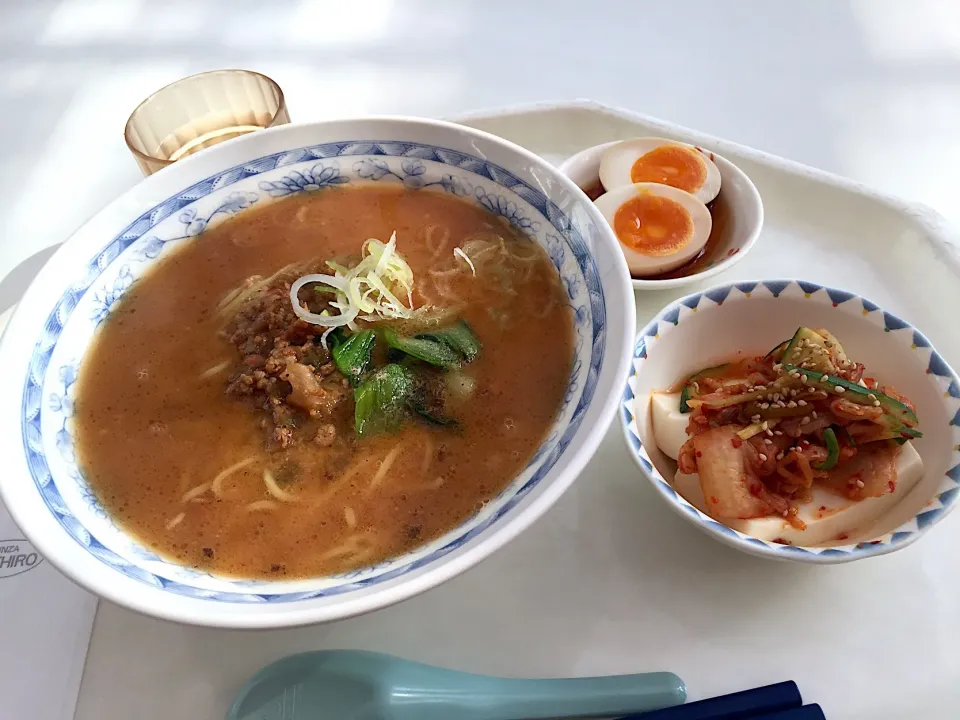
pixel 747 704
pixel 807 712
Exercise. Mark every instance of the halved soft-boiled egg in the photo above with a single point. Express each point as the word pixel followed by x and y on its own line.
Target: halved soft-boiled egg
pixel 658 226
pixel 660 161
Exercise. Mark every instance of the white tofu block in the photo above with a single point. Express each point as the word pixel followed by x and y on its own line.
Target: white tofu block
pixel 669 424
pixel 829 517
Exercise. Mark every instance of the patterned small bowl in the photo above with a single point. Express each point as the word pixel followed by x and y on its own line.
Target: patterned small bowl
pixel 710 326
pixel 737 216
pixel 44 345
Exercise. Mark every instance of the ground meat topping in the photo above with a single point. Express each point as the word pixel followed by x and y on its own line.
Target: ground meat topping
pixel 284 371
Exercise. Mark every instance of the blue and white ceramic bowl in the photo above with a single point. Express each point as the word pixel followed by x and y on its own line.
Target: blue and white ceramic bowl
pixel 46 340
pixel 709 327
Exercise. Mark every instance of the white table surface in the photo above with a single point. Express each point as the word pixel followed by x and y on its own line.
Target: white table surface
pixel 865 88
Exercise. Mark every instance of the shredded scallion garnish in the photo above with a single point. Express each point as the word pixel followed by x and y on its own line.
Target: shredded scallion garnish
pixel 457 252
pixel 368 291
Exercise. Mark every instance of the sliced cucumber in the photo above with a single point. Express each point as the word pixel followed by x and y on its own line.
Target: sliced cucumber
pixel 889 432
pixel 833 450
pixel 781 385
pixel 689 392
pixel 900 414
pixel 774 411
pixel 836 349
pixel 777 353
pixel 808 349
pixel 895 435
pixel 902 431
pixel 756 428
pixel 848 438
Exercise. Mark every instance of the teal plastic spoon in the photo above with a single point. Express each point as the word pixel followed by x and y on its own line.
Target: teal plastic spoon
pixel 357 685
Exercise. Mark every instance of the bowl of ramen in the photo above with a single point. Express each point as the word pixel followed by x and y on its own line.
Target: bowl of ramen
pixel 795 421
pixel 313 371
pixel 681 213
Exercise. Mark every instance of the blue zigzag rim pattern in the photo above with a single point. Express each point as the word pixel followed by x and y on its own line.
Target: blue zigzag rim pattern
pixel 32 405
pixel 937 368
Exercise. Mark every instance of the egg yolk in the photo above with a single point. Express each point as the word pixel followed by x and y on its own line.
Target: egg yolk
pixel 653 225
pixel 671 165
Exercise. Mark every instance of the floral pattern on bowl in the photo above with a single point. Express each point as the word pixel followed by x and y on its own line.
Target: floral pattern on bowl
pixel 47 395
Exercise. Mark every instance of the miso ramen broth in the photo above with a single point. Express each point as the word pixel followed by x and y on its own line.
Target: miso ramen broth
pixel 224 429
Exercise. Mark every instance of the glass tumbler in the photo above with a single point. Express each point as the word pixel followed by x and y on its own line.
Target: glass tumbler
pixel 199 111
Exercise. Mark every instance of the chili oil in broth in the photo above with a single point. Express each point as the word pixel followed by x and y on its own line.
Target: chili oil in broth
pixel 154 422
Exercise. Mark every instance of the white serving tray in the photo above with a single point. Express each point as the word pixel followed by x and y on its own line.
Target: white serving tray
pixel 817 226
pixel 610 580
pixel 866 661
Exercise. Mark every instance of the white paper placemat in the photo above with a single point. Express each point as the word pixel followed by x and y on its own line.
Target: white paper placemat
pixel 45 626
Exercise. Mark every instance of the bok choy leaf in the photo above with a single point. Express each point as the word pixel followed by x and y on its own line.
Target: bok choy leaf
pixel 434 352
pixel 381 399
pixel 352 356
pixel 458 337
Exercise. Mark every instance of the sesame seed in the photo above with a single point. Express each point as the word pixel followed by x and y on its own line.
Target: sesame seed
pixel 876 403
pixel 770 433
pixel 804 379
pixel 871 396
pixel 781 403
pixel 778 432
pixel 754 418
pixel 793 393
pixel 801 403
pixel 784 513
pixel 793 404
pixel 765 425
pixel 763 458
pixel 805 420
pixel 859 483
pixel 814 414
pixel 764 406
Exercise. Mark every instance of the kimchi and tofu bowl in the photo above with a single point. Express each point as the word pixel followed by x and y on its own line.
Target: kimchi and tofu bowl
pixel 322 376
pixel 794 420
